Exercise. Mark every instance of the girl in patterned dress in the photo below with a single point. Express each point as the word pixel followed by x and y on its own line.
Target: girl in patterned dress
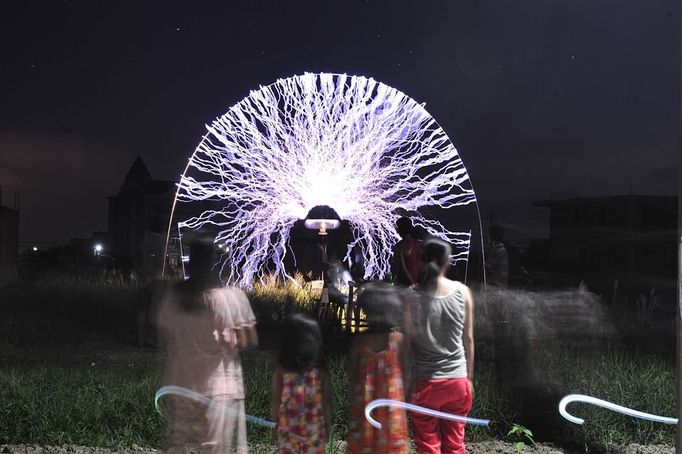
pixel 377 372
pixel 300 389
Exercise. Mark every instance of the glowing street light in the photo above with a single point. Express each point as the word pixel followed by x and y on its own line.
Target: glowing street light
pixel 35 249
pixel 98 249
pixel 322 218
pixel 322 225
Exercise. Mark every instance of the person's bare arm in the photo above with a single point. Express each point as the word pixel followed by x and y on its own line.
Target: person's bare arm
pixel 468 335
pixel 253 336
pixel 353 369
pixel 247 337
pixel 394 264
pixel 326 400
pixel 276 400
pixel 409 301
pixel 405 358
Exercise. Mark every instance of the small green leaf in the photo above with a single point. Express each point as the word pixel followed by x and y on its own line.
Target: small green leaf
pixel 520 446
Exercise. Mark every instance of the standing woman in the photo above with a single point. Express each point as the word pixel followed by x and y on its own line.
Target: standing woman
pixel 443 344
pixel 205 326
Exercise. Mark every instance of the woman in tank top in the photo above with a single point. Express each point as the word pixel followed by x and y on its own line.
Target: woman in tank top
pixel 443 344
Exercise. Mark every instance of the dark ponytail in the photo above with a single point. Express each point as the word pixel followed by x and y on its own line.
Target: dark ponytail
pixel 382 306
pixel 202 258
pixel 435 257
pixel 301 343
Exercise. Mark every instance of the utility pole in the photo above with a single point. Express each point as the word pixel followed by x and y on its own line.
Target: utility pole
pixel 678 438
pixel 678 325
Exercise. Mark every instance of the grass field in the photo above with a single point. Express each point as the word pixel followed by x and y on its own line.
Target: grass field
pixel 104 397
pixel 70 375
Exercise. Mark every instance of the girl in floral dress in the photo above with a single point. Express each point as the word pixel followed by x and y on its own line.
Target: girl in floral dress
pixel 300 389
pixel 377 372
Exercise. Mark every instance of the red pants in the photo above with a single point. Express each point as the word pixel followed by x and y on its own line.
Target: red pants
pixel 435 435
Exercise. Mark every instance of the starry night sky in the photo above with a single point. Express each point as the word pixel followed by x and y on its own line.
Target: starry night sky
pixel 542 98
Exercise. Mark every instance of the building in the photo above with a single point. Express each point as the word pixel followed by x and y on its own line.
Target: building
pixel 629 238
pixel 87 254
pixel 138 221
pixel 9 244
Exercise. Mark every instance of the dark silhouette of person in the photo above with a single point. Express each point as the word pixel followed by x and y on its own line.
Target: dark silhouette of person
pixel 406 264
pixel 497 259
pixel 337 283
pixel 357 269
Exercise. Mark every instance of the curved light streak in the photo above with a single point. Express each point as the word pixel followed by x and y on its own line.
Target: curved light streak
pixel 417 409
pixel 609 406
pixel 359 146
pixel 197 397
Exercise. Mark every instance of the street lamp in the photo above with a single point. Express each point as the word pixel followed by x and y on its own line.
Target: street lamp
pixel 323 218
pixel 97 249
pixel 321 225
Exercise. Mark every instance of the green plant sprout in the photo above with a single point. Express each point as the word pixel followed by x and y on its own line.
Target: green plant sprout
pixel 522 435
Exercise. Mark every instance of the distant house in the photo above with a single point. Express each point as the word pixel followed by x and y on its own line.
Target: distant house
pixel 9 244
pixel 87 253
pixel 631 238
pixel 138 221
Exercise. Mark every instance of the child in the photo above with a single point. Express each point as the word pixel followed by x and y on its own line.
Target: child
pixel 377 364
pixel 443 344
pixel 300 389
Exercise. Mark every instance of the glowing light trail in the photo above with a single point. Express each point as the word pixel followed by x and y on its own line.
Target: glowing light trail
pixel 361 147
pixel 188 393
pixel 417 409
pixel 609 406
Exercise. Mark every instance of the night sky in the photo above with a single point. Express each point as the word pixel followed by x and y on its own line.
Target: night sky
pixel 542 98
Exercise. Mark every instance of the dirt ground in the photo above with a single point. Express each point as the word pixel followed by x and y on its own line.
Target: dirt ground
pixel 488 447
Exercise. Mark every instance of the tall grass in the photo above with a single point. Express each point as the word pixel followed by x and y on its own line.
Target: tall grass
pixel 62 308
pixel 274 298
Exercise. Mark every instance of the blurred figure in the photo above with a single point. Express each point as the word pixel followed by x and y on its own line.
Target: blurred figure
pixel 420 234
pixel 497 259
pixel 147 300
pixel 443 344
pixel 338 283
pixel 377 364
pixel 301 386
pixel 357 269
pixel 406 255
pixel 204 327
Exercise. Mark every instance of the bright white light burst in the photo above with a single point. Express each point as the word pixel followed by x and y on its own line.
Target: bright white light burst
pixel 359 146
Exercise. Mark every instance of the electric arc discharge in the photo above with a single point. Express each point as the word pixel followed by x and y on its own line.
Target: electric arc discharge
pixel 359 146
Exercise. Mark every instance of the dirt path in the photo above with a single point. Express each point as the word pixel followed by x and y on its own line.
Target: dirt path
pixel 488 447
